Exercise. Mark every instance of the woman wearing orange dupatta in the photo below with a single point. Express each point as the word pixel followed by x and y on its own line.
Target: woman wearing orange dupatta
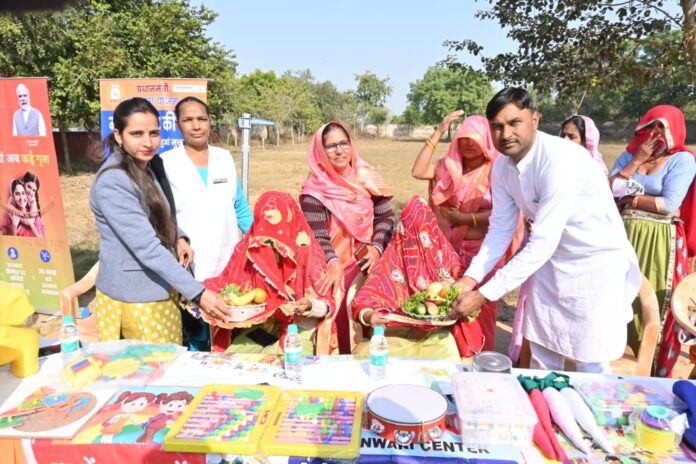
pixel 281 256
pixel 417 255
pixel 348 207
pixel 460 196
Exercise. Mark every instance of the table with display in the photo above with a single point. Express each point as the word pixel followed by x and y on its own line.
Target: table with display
pixel 335 373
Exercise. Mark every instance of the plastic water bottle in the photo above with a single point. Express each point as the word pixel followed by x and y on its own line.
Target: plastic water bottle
pixel 379 351
pixel 69 340
pixel 293 353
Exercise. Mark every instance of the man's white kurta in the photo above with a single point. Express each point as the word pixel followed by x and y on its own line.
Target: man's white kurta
pixel 583 271
pixel 205 212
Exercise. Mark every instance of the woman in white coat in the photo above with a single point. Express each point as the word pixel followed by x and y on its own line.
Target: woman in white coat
pixel 210 204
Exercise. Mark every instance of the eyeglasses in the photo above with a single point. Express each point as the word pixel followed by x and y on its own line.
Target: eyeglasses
pixel 332 147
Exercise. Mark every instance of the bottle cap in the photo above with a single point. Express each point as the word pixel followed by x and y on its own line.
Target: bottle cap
pixel 292 329
pixel 379 330
pixel 68 319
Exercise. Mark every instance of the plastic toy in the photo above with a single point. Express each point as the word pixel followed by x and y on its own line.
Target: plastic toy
pixel 19 345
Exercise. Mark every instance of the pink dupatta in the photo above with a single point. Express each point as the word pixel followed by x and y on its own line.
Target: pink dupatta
pixel 348 198
pixel 467 192
pixel 592 142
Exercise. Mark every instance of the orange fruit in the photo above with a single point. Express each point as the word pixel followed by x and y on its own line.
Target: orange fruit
pixel 260 296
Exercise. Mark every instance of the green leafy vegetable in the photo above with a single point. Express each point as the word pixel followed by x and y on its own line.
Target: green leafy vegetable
pixel 412 303
pixel 232 288
pixel 410 306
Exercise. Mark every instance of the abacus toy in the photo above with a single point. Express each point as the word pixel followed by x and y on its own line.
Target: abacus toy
pixel 312 423
pixel 226 419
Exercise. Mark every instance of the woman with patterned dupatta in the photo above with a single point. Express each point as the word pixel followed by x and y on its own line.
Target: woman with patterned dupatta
pixel 417 255
pixel 280 256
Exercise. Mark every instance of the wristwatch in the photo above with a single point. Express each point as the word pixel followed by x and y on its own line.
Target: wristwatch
pixel 197 299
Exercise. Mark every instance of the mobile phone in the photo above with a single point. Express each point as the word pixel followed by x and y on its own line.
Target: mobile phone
pixel 361 252
pixel 262 337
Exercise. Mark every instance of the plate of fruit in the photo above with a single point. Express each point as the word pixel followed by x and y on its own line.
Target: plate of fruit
pixel 433 303
pixel 244 304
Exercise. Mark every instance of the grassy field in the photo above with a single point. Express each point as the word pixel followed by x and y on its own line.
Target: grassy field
pixel 281 169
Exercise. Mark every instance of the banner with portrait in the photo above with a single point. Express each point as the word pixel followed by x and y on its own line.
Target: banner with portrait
pixel 164 93
pixel 34 248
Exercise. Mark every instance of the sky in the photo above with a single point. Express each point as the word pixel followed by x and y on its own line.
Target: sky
pixel 336 40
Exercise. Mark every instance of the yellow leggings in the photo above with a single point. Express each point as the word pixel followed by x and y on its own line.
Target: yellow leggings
pixel 156 321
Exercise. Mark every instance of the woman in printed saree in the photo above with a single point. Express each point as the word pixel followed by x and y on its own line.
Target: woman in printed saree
pixel 460 195
pixel 418 254
pixel 280 256
pixel 650 180
pixel 348 207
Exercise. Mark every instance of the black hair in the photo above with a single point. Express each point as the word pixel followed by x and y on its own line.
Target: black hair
pixel 333 125
pixel 190 99
pixel 31 177
pixel 160 215
pixel 13 186
pixel 578 122
pixel 518 96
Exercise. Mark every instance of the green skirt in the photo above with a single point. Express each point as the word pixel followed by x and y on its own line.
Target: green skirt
pixel 653 237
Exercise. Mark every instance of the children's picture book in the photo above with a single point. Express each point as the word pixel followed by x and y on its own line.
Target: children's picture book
pixel 136 415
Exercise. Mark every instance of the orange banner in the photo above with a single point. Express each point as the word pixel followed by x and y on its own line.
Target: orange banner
pixel 34 250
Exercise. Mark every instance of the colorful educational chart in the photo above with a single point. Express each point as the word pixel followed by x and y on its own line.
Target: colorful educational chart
pixel 626 450
pixel 203 368
pixel 48 413
pixel 137 415
pixel 34 249
pixel 316 424
pixel 224 419
pixel 164 93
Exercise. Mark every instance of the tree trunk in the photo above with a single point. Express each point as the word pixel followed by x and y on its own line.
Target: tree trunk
pixel 689 29
pixel 292 135
pixel 277 131
pixel 66 151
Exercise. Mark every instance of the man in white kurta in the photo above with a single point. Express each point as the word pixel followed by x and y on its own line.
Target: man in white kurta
pixel 583 271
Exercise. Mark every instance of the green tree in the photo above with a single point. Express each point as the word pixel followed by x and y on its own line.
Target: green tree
pixel 113 39
pixel 443 90
pixel 574 46
pixel 371 92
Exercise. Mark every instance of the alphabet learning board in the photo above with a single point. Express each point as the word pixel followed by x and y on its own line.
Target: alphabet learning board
pixel 226 419
pixel 312 423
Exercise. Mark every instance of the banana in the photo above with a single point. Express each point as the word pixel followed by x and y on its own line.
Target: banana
pixel 242 300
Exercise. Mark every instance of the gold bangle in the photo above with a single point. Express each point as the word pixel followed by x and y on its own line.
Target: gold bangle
pixel 473 218
pixel 430 143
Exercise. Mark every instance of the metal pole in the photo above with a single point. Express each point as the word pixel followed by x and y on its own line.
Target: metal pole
pixel 245 125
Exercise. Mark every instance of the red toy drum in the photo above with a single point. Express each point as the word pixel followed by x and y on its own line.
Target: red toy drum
pixel 406 414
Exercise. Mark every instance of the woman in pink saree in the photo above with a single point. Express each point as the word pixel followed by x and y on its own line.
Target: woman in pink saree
pixel 348 207
pixel 460 196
